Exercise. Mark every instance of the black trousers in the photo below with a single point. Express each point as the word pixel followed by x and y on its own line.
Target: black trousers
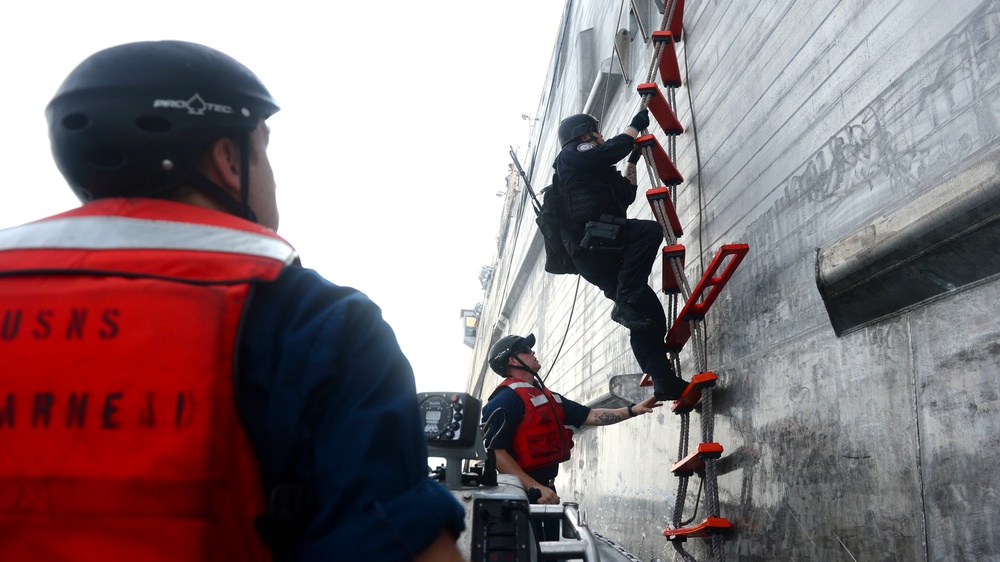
pixel 623 275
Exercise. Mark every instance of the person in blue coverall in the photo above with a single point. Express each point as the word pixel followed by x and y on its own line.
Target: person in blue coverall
pixel 324 393
pixel 328 399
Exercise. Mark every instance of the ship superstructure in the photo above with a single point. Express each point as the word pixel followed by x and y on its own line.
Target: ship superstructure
pixel 854 149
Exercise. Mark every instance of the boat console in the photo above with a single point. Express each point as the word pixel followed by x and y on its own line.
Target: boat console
pixel 498 510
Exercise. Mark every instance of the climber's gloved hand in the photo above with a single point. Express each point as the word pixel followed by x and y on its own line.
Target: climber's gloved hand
pixel 640 121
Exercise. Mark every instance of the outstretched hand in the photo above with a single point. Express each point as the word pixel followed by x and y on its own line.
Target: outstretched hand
pixel 640 121
pixel 646 406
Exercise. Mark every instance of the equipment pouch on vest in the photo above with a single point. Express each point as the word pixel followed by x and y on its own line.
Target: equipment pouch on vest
pixel 603 234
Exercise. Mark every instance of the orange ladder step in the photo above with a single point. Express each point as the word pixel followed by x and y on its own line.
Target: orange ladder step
pixel 727 259
pixel 695 462
pixel 664 210
pixel 670 72
pixel 660 108
pixel 710 526
pixel 692 394
pixel 671 284
pixel 677 23
pixel 664 166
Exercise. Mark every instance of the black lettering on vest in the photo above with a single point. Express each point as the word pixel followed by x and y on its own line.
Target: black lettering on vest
pixel 111 325
pixel 77 409
pixel 110 409
pixel 43 409
pixel 43 328
pixel 147 417
pixel 11 324
pixel 184 412
pixel 7 412
pixel 74 328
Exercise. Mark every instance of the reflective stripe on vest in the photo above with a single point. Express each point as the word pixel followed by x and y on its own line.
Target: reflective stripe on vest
pixel 117 410
pixel 119 233
pixel 542 437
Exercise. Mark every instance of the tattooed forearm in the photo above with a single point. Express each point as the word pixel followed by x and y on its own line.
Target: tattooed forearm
pixel 609 417
pixel 630 173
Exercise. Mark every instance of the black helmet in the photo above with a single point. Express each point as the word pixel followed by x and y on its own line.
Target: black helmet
pixel 507 347
pixel 133 120
pixel 574 126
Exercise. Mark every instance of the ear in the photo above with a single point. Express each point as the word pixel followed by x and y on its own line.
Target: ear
pixel 224 165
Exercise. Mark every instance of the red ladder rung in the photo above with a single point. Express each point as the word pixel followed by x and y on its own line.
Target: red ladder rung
pixel 728 257
pixel 678 335
pixel 692 394
pixel 695 462
pixel 677 24
pixel 710 526
pixel 697 307
pixel 659 199
pixel 671 284
pixel 670 72
pixel 664 166
pixel 660 108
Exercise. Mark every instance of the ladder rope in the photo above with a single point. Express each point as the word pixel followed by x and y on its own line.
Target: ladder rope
pixel 711 489
pixel 683 441
pixel 717 548
pixel 679 547
pixel 682 484
pixel 698 334
pixel 707 415
pixel 698 352
pixel 657 53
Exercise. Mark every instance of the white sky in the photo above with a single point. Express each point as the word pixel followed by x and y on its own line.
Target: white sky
pixel 388 152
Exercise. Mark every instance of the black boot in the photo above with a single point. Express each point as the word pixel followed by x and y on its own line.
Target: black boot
pixel 629 316
pixel 668 387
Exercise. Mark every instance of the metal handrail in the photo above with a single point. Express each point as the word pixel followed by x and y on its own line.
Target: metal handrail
pixel 582 543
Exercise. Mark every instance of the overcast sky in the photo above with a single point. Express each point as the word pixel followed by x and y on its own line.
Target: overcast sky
pixel 389 150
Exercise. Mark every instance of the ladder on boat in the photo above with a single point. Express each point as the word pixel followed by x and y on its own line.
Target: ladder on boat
pixel 687 322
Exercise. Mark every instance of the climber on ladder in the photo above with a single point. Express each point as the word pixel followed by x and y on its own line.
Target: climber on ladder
pixel 610 251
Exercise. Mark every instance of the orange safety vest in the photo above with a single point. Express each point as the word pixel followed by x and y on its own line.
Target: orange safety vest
pixel 119 434
pixel 542 438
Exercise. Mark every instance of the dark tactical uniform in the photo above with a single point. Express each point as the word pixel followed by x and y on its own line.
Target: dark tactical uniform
pixel 592 186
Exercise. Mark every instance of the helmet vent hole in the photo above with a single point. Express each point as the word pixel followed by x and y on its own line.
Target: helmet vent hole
pixel 75 121
pixel 153 124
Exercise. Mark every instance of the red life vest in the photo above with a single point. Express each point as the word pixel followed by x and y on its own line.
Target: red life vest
pixel 542 438
pixel 119 434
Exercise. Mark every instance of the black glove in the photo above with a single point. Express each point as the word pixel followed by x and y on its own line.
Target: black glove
pixel 640 121
pixel 635 156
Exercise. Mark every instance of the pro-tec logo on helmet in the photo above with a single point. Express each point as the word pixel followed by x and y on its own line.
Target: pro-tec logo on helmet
pixel 195 106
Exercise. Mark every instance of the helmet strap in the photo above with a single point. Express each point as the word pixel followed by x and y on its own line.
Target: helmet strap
pixel 524 367
pixel 239 206
pixel 247 212
pixel 221 196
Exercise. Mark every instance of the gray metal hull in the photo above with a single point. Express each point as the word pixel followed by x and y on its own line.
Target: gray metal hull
pixel 858 345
